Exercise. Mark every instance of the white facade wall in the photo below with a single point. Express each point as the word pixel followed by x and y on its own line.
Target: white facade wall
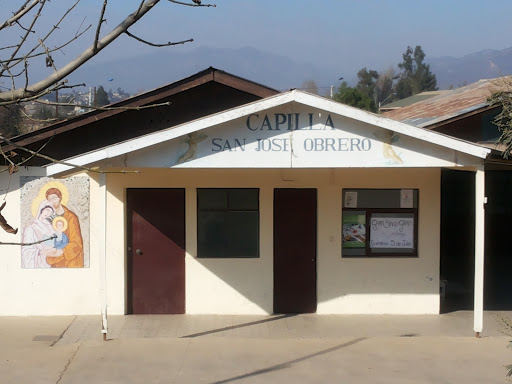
pixel 60 291
pixel 245 286
pixel 238 286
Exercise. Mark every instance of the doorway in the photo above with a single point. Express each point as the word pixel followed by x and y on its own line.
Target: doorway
pixel 156 251
pixel 295 244
pixel 457 266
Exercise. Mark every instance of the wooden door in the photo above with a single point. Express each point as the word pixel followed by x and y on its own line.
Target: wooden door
pixel 295 226
pixel 156 251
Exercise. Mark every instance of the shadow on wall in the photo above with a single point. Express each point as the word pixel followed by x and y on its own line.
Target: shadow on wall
pixel 252 279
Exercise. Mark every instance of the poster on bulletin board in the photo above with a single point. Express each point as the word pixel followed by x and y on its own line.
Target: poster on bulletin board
pixel 354 230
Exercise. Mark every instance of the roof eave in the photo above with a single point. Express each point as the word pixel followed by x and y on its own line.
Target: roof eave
pixel 463 116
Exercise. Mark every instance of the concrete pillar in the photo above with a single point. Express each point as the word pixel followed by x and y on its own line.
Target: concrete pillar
pixel 102 252
pixel 480 201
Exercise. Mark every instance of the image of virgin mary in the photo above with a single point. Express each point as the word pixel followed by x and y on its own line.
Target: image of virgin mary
pixel 38 239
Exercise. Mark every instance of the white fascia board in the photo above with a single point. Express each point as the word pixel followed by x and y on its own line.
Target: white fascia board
pixel 170 133
pixel 392 125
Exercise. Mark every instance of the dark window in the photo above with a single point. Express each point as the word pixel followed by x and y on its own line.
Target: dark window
pixel 228 223
pixel 380 223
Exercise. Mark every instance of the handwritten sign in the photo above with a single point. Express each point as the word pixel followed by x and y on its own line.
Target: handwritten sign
pixel 391 232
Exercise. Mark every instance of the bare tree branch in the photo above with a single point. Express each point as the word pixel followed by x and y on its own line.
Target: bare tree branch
pixel 22 27
pixel 24 38
pixel 100 22
pixel 19 13
pixel 31 118
pixel 197 3
pixel 140 7
pixel 26 74
pixel 49 60
pixel 69 104
pixel 35 242
pixel 13 62
pixel 29 92
pixel 11 163
pixel 3 223
pixel 158 45
pixel 58 48
pixel 28 158
pixel 56 81
pixel 55 27
pixel 53 88
pixel 8 47
pixel 60 161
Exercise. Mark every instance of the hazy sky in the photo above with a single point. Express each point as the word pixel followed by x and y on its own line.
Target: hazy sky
pixel 342 34
pixel 351 33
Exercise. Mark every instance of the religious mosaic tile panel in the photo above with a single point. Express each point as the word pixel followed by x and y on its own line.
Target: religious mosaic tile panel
pixel 55 222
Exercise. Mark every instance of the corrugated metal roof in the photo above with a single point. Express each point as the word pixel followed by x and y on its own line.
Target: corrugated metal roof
pixel 447 105
pixel 411 100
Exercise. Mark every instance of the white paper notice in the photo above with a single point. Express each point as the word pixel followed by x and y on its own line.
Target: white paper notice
pixel 406 198
pixel 351 199
pixel 391 232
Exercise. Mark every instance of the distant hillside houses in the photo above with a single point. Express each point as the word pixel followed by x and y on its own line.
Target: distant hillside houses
pixel 40 113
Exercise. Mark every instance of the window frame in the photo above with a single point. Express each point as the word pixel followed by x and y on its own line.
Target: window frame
pixel 368 215
pixel 227 209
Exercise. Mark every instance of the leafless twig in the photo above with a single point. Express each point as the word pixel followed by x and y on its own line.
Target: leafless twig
pixel 53 88
pixel 13 62
pixel 100 22
pixel 137 108
pixel 24 38
pixel 19 13
pixel 35 242
pixel 196 4
pixel 39 87
pixel 57 48
pixel 30 157
pixel 60 161
pixel 158 45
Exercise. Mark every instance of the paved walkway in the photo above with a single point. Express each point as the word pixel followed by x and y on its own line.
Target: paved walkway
pixel 455 324
pixel 253 349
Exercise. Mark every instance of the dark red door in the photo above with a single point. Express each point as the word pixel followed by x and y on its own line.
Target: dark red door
pixel 295 226
pixel 156 250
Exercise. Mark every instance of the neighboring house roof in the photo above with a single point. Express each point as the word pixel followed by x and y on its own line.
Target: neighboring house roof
pixel 202 94
pixel 410 100
pixel 286 98
pixel 447 107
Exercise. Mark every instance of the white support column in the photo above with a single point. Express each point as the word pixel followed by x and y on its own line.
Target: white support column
pixel 102 252
pixel 480 201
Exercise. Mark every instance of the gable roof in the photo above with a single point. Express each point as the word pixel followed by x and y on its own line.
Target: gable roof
pixel 294 96
pixel 447 107
pixel 201 94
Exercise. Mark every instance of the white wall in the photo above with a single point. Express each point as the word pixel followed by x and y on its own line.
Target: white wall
pixel 240 286
pixel 379 285
pixel 60 291
pixel 244 286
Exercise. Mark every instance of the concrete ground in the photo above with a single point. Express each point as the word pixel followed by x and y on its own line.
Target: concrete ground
pixel 254 349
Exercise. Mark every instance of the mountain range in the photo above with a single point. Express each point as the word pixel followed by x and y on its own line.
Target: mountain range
pixel 156 69
pixel 487 64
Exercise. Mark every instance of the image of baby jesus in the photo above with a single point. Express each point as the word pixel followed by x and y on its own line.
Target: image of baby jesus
pixel 60 224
